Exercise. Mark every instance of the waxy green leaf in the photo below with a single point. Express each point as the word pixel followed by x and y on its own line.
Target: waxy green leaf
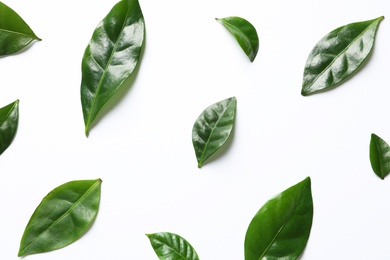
pixel 15 34
pixel 111 57
pixel 244 32
pixel 169 246
pixel 9 118
pixel 213 128
pixel 338 55
pixel 281 228
pixel 63 216
pixel 379 156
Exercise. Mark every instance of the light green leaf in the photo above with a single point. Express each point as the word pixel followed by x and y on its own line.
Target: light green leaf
pixel 63 216
pixel 338 55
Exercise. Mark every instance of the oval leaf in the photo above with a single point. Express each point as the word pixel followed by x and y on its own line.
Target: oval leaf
pixel 212 128
pixel 281 228
pixel 244 32
pixel 62 217
pixel 9 118
pixel 15 34
pixel 169 246
pixel 111 56
pixel 338 55
pixel 379 156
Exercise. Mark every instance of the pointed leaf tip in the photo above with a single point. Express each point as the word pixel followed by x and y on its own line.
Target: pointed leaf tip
pixel 16 33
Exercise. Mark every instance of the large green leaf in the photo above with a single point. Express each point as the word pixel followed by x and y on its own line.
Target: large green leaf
pixel 212 128
pixel 281 228
pixel 9 118
pixel 15 34
pixel 63 216
pixel 169 246
pixel 338 55
pixel 244 32
pixel 379 156
pixel 111 56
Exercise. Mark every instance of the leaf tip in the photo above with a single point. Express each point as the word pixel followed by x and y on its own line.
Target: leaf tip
pixel 86 131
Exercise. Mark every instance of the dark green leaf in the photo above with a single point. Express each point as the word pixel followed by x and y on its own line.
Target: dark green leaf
pixel 281 228
pixel 212 128
pixel 63 216
pixel 9 117
pixel 111 56
pixel 338 55
pixel 245 34
pixel 379 156
pixel 169 246
pixel 15 34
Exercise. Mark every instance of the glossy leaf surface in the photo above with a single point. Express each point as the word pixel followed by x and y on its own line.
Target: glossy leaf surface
pixel 281 228
pixel 111 57
pixel 379 156
pixel 213 128
pixel 15 34
pixel 169 246
pixel 338 55
pixel 9 118
pixel 63 216
pixel 245 34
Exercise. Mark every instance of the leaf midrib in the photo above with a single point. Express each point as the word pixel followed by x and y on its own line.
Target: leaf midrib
pixel 21 34
pixel 341 53
pixel 62 217
pixel 284 224
pixel 173 249
pixel 105 70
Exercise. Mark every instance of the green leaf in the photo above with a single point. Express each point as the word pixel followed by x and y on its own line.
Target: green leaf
pixel 15 34
pixel 111 56
pixel 338 55
pixel 9 117
pixel 379 156
pixel 63 216
pixel 281 228
pixel 169 246
pixel 212 128
pixel 244 32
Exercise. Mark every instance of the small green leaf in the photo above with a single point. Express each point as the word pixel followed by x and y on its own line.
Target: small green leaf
pixel 9 118
pixel 111 57
pixel 244 32
pixel 338 55
pixel 281 228
pixel 212 128
pixel 63 216
pixel 169 246
pixel 15 34
pixel 379 156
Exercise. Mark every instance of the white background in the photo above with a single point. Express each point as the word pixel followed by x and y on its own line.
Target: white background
pixel 142 149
